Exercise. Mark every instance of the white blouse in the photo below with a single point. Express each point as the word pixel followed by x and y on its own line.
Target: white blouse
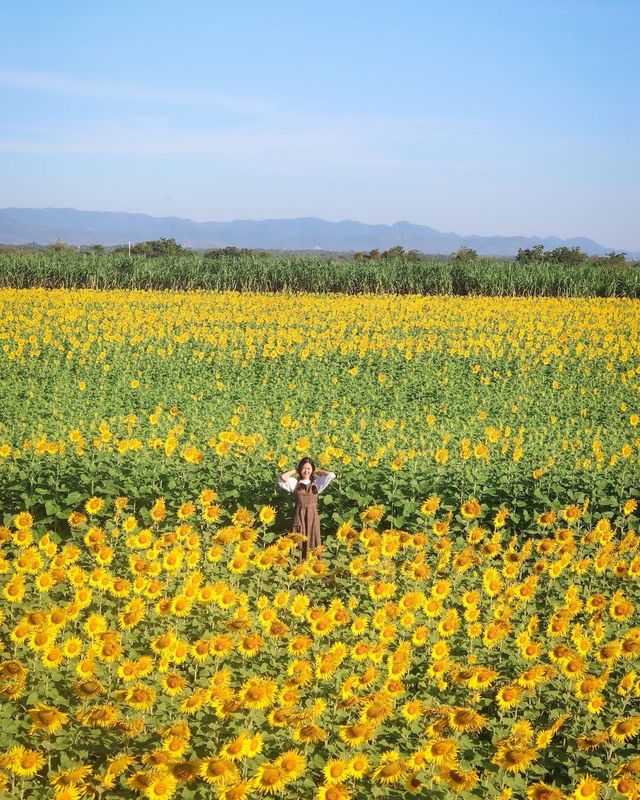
pixel 321 481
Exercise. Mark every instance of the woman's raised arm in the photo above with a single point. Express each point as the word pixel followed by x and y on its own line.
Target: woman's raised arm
pixel 286 481
pixel 323 479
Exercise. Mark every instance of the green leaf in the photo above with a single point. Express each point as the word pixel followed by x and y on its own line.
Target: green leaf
pixel 51 508
pixel 74 499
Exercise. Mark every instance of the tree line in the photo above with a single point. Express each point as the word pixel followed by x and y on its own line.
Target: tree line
pixel 169 247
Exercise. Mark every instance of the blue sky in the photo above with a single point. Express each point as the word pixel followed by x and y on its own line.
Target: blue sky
pixel 474 117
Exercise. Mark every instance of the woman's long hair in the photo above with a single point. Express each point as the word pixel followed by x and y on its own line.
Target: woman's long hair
pixel 302 462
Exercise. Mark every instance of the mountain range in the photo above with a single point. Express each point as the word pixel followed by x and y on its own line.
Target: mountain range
pixel 47 225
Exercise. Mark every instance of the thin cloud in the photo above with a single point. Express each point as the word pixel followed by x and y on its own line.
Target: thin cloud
pixel 299 141
pixel 53 83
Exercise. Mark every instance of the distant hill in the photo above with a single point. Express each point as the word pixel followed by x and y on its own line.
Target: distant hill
pixel 46 225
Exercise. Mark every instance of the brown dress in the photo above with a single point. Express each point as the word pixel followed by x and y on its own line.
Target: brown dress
pixel 305 515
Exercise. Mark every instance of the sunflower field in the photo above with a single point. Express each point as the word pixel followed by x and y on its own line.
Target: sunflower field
pixel 468 628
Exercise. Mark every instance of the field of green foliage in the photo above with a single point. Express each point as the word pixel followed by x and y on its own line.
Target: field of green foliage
pixel 263 272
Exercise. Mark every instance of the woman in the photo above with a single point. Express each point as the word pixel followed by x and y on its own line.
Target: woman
pixel 306 488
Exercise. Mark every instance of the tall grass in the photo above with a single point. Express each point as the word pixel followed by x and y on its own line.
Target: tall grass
pixel 260 272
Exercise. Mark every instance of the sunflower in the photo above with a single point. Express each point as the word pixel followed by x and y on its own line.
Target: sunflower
pixel 413 710
pixel 238 564
pixel 391 768
pixel 237 791
pixel 430 506
pixel 449 624
pixel 140 697
pixel 109 649
pixel 174 683
pixel 492 582
pixel 627 787
pixel 41 638
pixel 24 762
pixel 162 785
pixel 24 540
pixel 242 517
pixel 279 717
pixel 458 780
pixel 624 729
pixel 432 607
pixel 185 771
pixel 195 701
pixel 251 644
pixel 334 791
pixel 463 720
pixel 21 632
pixel 236 749
pixel 47 718
pixel 269 779
pixel 180 728
pixel 292 763
pixel 372 514
pixel 627 683
pixel 52 657
pixel 547 518
pixel 609 652
pixel 132 614
pixel 76 519
pixel 509 696
pixel 120 764
pixel 621 607
pixel 542 791
pixel 588 788
pixel 441 455
pixel 23 521
pixel 588 742
pixel 441 751
pixel 94 505
pixel 574 667
pixel 71 792
pixel 258 692
pixel 158 510
pixel 267 515
pixel 14 589
pixel 144 666
pixel 359 765
pixel 44 582
pixel 211 513
pixel 200 650
pixel 482 677
pixel 572 513
pixel 309 733
pixel 139 781
pixel 514 759
pixel 218 771
pixel 157 759
pixel 471 509
pixel 533 677
pixel 58 617
pixel 336 770
pixel 588 686
pixel 85 689
pixel 69 777
pixel 441 527
pixel 289 696
pixel 630 647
